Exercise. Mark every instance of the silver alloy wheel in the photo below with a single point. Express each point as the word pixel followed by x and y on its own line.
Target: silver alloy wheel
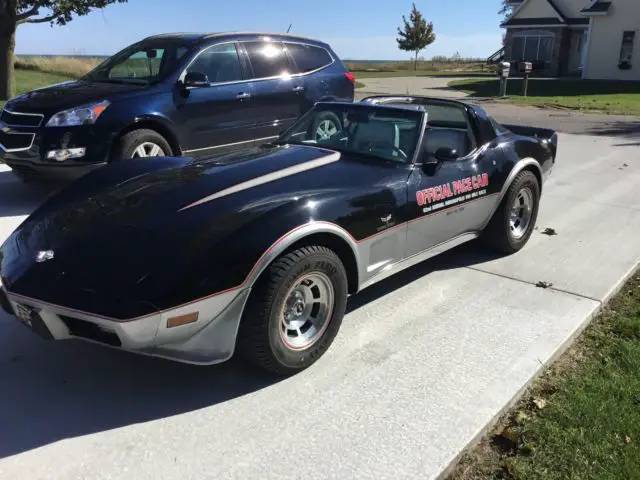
pixel 148 149
pixel 306 311
pixel 325 129
pixel 521 212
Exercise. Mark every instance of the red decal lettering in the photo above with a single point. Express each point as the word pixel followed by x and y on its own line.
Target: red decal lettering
pixel 420 198
pixel 485 180
pixel 429 195
pixel 474 182
pixel 457 187
pixel 467 184
pixel 447 190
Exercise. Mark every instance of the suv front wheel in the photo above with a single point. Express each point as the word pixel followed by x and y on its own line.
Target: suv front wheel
pixel 142 143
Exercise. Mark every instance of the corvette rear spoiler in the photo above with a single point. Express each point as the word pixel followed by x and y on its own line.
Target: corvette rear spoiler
pixel 547 137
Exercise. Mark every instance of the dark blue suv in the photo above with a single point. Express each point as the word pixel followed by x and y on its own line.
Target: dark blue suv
pixel 174 94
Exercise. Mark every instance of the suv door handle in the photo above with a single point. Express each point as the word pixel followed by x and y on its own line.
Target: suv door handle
pixel 298 89
pixel 243 96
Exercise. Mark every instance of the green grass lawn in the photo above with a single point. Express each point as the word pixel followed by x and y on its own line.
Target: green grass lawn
pixel 587 95
pixel 581 419
pixel 27 80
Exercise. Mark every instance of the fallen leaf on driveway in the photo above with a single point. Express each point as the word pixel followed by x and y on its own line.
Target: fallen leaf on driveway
pixel 542 284
pixel 540 403
pixel 549 231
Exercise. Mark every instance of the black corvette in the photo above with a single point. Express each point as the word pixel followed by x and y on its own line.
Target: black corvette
pixel 256 252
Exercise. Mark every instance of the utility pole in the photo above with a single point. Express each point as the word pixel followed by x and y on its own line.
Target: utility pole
pixel 289 27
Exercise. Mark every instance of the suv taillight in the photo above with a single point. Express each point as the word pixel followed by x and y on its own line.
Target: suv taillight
pixel 351 77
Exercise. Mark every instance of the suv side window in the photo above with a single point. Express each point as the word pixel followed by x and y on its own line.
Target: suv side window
pixel 308 57
pixel 220 63
pixel 268 59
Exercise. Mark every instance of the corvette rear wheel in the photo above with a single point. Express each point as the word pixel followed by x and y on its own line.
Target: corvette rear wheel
pixel 294 311
pixel 514 221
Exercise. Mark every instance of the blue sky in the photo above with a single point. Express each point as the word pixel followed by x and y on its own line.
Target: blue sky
pixel 357 29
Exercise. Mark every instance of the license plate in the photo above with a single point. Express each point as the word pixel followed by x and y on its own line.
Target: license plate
pixel 31 318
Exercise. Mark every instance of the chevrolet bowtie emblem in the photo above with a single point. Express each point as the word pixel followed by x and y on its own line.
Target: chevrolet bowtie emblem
pixel 44 255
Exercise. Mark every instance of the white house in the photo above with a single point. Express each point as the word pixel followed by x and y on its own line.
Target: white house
pixel 593 39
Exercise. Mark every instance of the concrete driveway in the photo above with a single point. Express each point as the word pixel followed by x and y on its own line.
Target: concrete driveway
pixel 424 361
pixel 427 86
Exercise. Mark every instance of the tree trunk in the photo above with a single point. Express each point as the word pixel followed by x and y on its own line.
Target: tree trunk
pixel 415 62
pixel 7 47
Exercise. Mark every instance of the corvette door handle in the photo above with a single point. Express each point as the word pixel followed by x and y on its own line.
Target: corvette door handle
pixel 298 89
pixel 243 96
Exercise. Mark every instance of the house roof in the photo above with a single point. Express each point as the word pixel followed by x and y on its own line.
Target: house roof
pixel 597 7
pixel 560 20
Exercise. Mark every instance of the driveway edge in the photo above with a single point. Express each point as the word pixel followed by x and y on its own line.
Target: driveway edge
pixel 562 348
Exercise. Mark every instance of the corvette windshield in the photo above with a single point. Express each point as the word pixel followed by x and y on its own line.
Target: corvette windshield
pixel 388 134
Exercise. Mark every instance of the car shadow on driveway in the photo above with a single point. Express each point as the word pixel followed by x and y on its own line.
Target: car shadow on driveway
pixel 57 390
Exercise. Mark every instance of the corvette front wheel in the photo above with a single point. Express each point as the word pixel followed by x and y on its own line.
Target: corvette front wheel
pixel 295 311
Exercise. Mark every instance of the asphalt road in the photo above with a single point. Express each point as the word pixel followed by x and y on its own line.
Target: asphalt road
pixel 423 361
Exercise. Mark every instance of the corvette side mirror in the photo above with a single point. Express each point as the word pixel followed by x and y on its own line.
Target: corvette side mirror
pixel 446 154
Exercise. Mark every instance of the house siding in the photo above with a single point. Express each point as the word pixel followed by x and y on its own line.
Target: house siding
pixel 606 40
pixel 536 9
pixel 572 8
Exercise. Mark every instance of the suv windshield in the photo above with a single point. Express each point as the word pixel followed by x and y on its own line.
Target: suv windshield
pixel 386 133
pixel 141 63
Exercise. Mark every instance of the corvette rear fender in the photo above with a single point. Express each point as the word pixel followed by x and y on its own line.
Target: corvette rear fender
pixel 318 232
pixel 530 164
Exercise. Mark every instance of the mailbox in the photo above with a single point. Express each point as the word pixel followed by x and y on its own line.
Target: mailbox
pixel 502 69
pixel 525 67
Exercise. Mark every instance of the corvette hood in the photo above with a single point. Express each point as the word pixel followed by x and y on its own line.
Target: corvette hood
pixel 116 238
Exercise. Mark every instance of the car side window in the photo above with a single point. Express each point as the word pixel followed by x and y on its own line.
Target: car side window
pixel 268 59
pixel 308 57
pixel 220 63
pixel 448 126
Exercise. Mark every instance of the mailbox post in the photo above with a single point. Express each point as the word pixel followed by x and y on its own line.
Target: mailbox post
pixel 502 69
pixel 525 68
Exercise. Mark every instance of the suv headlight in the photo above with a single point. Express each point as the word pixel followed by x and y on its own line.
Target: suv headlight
pixel 82 115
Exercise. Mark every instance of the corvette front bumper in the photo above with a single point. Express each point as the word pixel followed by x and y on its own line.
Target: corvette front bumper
pixel 209 340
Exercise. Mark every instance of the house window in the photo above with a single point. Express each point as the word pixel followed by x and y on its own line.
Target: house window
pixel 532 46
pixel 626 50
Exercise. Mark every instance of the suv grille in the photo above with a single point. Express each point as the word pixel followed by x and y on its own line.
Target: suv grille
pixel 14 142
pixel 13 119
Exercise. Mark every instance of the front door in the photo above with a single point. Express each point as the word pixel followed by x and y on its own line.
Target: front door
pixel 576 49
pixel 451 197
pixel 217 117
pixel 278 97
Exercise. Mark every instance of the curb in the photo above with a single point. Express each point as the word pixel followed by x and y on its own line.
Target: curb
pixel 562 348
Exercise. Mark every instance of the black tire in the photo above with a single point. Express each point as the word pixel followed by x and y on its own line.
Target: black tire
pixel 260 338
pixel 326 116
pixel 498 235
pixel 128 143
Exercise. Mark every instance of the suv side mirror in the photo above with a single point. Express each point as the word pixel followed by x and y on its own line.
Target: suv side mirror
pixel 445 154
pixel 196 79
